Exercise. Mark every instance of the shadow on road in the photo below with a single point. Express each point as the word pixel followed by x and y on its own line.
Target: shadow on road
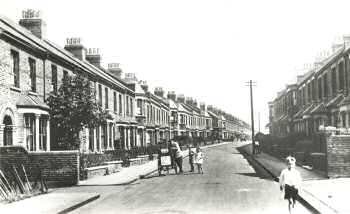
pixel 259 171
pixel 155 175
pixel 249 174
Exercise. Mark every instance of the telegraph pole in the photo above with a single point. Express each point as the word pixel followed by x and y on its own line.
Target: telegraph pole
pixel 251 84
pixel 259 120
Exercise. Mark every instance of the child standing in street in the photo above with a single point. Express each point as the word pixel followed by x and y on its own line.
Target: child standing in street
pixel 290 183
pixel 199 160
pixel 191 160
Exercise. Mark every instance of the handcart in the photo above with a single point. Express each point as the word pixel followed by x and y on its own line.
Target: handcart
pixel 164 159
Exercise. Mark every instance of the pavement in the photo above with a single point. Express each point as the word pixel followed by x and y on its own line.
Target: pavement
pixel 61 201
pixel 319 194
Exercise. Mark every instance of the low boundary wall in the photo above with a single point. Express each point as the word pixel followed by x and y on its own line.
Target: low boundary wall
pixel 61 167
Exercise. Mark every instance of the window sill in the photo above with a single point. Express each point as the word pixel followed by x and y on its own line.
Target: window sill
pixel 13 88
pixel 33 93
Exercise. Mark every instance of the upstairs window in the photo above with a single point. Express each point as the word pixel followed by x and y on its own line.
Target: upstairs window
pixel 32 68
pixel 65 74
pixel 341 76
pixel 139 106
pixel 120 104
pixel 100 94
pixel 15 67
pixel 114 101
pixel 127 105
pixel 131 107
pixel 106 97
pixel 325 86
pixel 54 78
pixel 319 88
pixel 334 81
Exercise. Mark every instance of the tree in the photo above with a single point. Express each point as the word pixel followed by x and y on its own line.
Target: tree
pixel 73 107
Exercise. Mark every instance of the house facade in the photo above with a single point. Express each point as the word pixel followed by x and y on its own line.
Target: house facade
pixel 319 98
pixel 32 69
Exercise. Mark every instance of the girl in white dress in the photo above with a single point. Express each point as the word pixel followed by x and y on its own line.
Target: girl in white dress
pixel 199 160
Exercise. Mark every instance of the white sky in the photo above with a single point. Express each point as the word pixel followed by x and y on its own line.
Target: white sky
pixel 206 49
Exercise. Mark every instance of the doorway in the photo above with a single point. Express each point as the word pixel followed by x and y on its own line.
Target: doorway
pixel 7 131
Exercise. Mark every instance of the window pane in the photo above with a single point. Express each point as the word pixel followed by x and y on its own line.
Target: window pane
pixel 30 132
pixel 54 78
pixel 15 67
pixel 106 98
pixel 32 67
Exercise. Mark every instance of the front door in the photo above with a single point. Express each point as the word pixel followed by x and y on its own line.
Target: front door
pixel 7 131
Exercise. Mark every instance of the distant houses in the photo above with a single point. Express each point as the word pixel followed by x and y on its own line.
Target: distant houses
pixel 32 68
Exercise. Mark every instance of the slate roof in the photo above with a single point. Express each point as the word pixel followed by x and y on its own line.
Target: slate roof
pixel 333 103
pixel 14 30
pixel 320 109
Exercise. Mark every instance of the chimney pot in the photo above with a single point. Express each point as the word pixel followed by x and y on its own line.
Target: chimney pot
pixel 172 95
pixel 32 21
pixel 144 85
pixel 94 57
pixel 76 48
pixel 115 70
pixel 130 78
pixel 159 91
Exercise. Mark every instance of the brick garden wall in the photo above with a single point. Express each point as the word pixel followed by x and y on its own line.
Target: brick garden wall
pixel 59 167
pixel 338 156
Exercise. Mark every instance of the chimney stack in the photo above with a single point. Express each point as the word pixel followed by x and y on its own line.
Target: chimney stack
pixel 94 57
pixel 144 85
pixel 181 98
pixel 202 106
pixel 299 78
pixel 172 95
pixel 115 70
pixel 159 92
pixel 189 101
pixel 130 78
pixel 75 46
pixel 210 108
pixel 337 44
pixel 195 103
pixel 346 39
pixel 32 21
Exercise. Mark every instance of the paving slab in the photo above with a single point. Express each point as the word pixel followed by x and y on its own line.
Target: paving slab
pixel 322 194
pixel 51 202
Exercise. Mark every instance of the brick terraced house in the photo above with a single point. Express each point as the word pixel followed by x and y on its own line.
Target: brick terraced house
pixel 32 68
pixel 319 97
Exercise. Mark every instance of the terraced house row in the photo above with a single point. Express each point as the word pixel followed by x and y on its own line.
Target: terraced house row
pixel 32 67
pixel 319 98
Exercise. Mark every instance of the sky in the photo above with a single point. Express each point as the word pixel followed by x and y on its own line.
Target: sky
pixel 205 49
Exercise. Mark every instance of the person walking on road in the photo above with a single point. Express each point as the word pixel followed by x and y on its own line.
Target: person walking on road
pixel 178 157
pixel 199 160
pixel 172 150
pixel 290 182
pixel 191 154
pixel 177 154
